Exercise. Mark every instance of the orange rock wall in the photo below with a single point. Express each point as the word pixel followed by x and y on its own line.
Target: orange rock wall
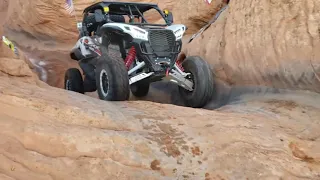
pixel 274 43
pixel 47 23
pixel 10 64
pixel 256 42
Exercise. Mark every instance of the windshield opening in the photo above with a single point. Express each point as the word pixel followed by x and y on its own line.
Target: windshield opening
pixel 139 14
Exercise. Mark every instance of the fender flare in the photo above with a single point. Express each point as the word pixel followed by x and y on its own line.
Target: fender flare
pixel 117 34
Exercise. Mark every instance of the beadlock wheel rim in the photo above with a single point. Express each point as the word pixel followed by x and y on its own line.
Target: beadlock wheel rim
pixel 104 83
pixel 68 84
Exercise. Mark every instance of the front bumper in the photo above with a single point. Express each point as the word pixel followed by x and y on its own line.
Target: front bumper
pixel 159 53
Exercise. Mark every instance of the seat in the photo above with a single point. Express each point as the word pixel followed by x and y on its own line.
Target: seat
pixel 92 25
pixel 117 18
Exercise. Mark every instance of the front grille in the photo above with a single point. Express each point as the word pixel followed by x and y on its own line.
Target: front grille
pixel 162 40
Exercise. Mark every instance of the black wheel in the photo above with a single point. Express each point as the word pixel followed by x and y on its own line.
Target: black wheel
pixel 202 78
pixel 140 89
pixel 112 79
pixel 73 80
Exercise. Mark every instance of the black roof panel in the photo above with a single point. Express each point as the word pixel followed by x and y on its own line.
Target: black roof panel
pixel 121 8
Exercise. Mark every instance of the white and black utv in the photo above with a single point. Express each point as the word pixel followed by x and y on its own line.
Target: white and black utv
pixel 148 53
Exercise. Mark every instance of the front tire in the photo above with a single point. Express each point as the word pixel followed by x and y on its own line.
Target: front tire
pixel 140 89
pixel 73 80
pixel 112 79
pixel 202 78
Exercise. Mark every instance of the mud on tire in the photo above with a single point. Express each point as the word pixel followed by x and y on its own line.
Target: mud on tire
pixel 202 78
pixel 112 79
pixel 73 80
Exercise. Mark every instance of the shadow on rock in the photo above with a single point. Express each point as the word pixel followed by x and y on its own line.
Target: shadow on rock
pixel 168 93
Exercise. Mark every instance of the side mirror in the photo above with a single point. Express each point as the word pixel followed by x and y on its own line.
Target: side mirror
pixel 168 15
pixel 99 17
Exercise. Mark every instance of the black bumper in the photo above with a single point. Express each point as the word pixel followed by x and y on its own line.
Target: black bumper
pixel 157 61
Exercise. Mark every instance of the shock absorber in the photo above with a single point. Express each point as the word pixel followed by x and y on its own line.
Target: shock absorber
pixel 179 64
pixel 130 57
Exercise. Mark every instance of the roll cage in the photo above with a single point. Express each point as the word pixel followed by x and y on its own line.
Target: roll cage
pixel 131 9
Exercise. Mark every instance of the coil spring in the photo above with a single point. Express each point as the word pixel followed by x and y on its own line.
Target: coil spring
pixel 130 57
pixel 179 64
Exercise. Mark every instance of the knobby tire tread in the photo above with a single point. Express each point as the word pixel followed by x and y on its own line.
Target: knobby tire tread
pixel 74 75
pixel 204 89
pixel 118 78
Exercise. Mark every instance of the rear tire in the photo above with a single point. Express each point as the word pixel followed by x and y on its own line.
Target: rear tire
pixel 140 89
pixel 112 79
pixel 73 81
pixel 203 82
